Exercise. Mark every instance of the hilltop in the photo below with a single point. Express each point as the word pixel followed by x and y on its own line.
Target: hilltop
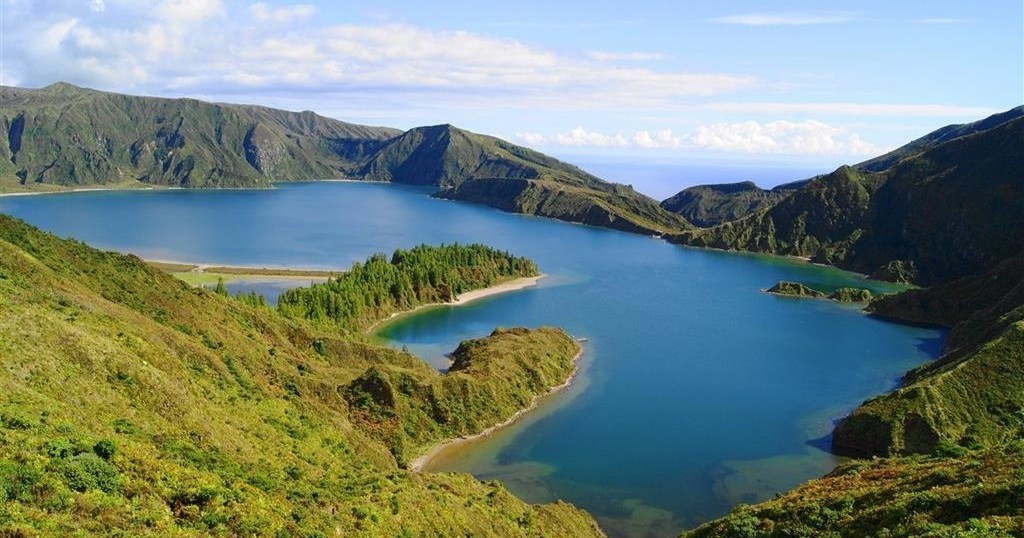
pixel 953 210
pixel 710 205
pixel 64 136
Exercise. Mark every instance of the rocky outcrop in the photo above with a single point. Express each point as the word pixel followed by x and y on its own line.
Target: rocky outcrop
pixel 794 289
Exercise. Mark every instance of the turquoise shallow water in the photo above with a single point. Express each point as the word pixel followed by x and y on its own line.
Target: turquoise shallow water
pixel 697 392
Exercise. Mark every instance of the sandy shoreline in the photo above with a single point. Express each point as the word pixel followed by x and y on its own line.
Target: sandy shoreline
pixel 257 270
pixel 419 463
pixel 87 189
pixel 463 298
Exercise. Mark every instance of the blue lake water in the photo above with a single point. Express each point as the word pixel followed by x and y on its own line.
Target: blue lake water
pixel 697 390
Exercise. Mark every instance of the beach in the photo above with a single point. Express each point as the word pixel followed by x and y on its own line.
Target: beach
pixel 463 298
pixel 419 463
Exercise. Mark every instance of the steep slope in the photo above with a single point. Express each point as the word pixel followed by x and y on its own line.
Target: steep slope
pixel 64 135
pixel 951 211
pixel 978 494
pixel 135 405
pixel 938 137
pixel 973 396
pixel 491 171
pixel 960 419
pixel 950 215
pixel 617 207
pixel 710 205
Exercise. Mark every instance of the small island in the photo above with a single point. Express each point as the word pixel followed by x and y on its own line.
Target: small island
pixel 794 289
pixel 843 295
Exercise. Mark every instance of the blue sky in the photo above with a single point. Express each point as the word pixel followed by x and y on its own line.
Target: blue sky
pixel 805 82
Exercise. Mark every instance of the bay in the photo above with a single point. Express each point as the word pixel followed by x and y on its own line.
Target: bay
pixel 697 391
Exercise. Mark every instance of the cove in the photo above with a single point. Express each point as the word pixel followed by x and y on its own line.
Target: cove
pixel 697 391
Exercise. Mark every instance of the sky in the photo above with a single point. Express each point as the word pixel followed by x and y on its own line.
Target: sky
pixel 808 83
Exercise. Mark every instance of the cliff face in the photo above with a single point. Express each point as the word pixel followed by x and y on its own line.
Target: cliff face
pixel 711 205
pixel 948 212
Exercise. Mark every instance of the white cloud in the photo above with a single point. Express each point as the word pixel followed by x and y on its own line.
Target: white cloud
pixel 264 13
pixel 781 137
pixel 851 109
pixel 777 137
pixel 97 5
pixel 606 56
pixel 784 19
pixel 940 20
pixel 658 139
pixel 576 137
pixel 203 48
pixel 189 10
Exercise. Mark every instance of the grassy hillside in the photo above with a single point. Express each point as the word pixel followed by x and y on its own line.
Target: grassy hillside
pixel 951 211
pixel 489 380
pixel 620 209
pixel 710 205
pixel 491 171
pixel 974 395
pixel 938 137
pixel 946 210
pixel 135 405
pixel 973 495
pixel 63 135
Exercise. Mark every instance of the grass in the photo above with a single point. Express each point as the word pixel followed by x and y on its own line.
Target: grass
pixel 975 494
pixel 135 405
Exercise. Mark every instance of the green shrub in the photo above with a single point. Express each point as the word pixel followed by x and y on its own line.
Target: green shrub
pixel 17 481
pixel 89 471
pixel 105 449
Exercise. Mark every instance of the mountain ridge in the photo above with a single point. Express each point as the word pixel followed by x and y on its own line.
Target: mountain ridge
pixel 714 204
pixel 945 213
pixel 63 136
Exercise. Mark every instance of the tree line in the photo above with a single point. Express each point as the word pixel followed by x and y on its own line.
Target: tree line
pixel 372 290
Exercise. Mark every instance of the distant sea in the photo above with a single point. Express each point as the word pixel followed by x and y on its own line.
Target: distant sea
pixel 662 179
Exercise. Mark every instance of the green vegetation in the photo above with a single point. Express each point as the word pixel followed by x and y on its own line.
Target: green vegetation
pixel 67 136
pixel 616 207
pixel 952 210
pixel 491 171
pixel 371 291
pixel 711 205
pixel 794 289
pixel 971 397
pixel 490 379
pixel 64 136
pixel 974 494
pixel 135 405
pixel 946 209
pixel 940 136
pixel 851 295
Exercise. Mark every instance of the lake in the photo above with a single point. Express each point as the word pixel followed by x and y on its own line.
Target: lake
pixel 697 391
